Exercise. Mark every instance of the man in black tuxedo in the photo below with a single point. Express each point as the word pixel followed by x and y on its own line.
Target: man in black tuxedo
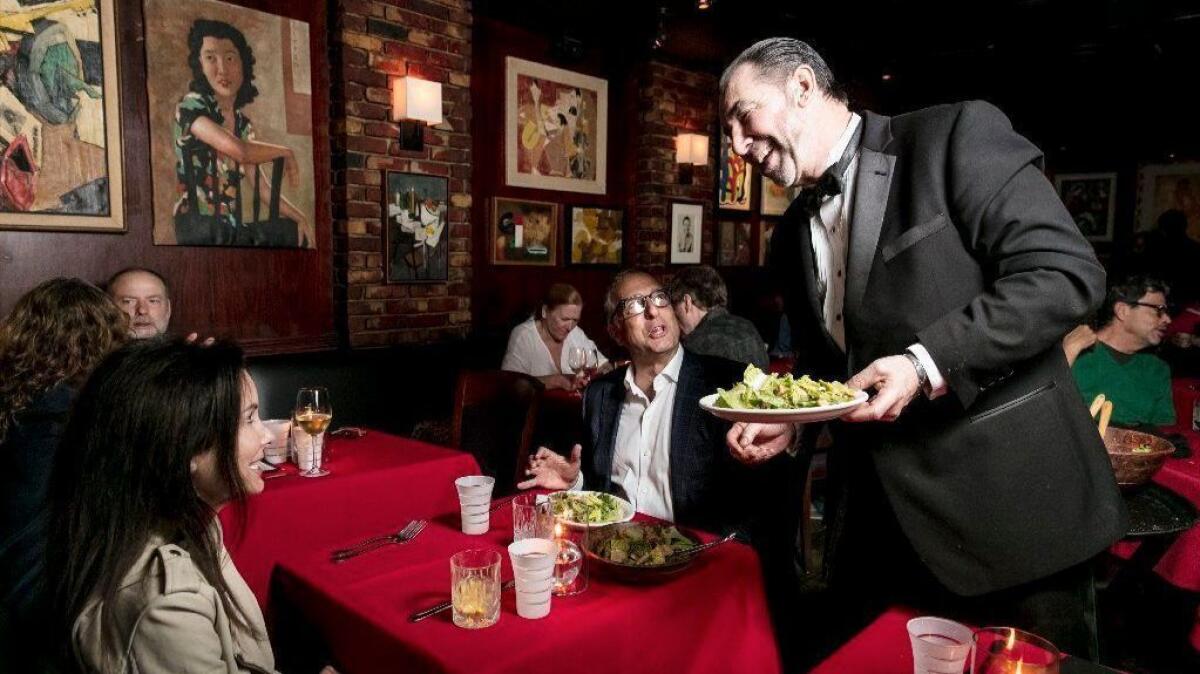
pixel 929 255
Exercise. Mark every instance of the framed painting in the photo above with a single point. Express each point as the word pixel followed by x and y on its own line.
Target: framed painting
pixel 733 243
pixel 733 181
pixel 687 229
pixel 765 229
pixel 414 231
pixel 1090 198
pixel 555 128
pixel 774 200
pixel 231 137
pixel 524 232
pixel 595 236
pixel 60 127
pixel 1167 187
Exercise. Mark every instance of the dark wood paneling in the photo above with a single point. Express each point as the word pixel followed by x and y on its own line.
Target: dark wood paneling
pixel 503 295
pixel 270 300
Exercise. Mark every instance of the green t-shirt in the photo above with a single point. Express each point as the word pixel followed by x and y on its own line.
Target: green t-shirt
pixel 1139 387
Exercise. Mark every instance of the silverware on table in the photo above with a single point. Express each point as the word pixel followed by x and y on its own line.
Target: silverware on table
pixel 405 535
pixel 701 548
pixel 445 606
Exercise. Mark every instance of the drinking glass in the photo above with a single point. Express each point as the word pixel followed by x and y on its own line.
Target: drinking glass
pixel 312 414
pixel 577 360
pixel 570 564
pixel 532 518
pixel 475 588
pixel 1007 650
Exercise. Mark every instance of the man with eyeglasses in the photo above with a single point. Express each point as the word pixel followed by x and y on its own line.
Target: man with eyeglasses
pixel 647 438
pixel 1113 360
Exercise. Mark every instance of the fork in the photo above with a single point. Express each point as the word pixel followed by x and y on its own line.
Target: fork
pixel 405 535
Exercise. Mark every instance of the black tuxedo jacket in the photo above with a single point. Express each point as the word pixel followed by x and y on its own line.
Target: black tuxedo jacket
pixel 708 488
pixel 958 242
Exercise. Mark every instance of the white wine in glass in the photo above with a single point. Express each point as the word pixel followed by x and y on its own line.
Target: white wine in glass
pixel 312 414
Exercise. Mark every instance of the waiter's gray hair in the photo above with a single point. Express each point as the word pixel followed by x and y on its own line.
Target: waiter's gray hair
pixel 778 57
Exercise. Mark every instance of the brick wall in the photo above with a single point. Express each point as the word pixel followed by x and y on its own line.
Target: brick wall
pixel 671 100
pixel 373 41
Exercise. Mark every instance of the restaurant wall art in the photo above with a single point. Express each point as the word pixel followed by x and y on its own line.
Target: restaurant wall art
pixel 524 232
pixel 687 229
pixel 1165 187
pixel 415 238
pixel 60 131
pixel 1090 198
pixel 733 183
pixel 231 141
pixel 555 128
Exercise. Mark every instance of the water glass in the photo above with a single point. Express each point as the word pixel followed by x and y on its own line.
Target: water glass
pixel 939 646
pixel 475 588
pixel 570 564
pixel 276 452
pixel 1007 650
pixel 475 502
pixel 533 570
pixel 532 517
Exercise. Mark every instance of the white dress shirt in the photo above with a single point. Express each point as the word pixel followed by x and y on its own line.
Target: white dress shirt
pixel 830 227
pixel 527 352
pixel 641 465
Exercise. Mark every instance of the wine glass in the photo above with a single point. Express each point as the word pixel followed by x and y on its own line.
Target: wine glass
pixel 312 414
pixel 577 360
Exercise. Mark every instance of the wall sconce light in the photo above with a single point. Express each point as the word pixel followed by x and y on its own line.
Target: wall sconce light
pixel 415 104
pixel 691 150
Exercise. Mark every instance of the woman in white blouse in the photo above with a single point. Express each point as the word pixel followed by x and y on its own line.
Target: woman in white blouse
pixel 540 347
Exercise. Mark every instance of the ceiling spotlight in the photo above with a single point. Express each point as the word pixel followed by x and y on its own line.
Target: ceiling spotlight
pixel 660 32
pixel 703 4
pixel 887 77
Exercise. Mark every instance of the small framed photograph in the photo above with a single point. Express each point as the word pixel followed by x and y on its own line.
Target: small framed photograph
pixel 524 232
pixel 1168 187
pixel 595 236
pixel 733 180
pixel 1090 198
pixel 687 226
pixel 733 244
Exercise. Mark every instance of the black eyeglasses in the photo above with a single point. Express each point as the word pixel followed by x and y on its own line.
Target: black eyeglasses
pixel 1161 309
pixel 632 306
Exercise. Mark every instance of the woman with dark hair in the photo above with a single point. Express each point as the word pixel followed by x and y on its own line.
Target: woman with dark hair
pixel 54 336
pixel 163 435
pixel 540 347
pixel 214 140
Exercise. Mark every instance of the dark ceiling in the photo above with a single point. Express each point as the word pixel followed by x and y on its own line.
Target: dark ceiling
pixel 1070 72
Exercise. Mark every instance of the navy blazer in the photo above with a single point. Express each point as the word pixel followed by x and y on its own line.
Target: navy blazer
pixel 707 484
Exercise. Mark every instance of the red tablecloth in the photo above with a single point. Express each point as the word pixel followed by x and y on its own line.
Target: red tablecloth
pixel 710 618
pixel 377 482
pixel 882 648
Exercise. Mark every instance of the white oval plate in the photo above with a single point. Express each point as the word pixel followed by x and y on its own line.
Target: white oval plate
pixel 801 415
pixel 627 511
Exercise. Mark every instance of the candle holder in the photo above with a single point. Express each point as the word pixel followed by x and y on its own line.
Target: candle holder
pixel 1007 650
pixel 570 565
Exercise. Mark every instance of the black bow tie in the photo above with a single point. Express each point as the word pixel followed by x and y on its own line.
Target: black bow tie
pixel 829 185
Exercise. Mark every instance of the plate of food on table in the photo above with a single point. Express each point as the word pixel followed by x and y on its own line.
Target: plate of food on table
pixel 774 398
pixel 590 508
pixel 641 550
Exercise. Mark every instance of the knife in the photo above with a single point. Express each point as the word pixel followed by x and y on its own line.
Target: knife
pixel 445 606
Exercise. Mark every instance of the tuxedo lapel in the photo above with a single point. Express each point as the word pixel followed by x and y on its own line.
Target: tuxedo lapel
pixel 872 185
pixel 684 431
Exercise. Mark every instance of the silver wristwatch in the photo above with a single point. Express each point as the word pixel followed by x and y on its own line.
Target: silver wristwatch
pixel 922 375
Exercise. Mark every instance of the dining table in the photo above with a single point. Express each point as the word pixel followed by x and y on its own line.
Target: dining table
pixel 373 482
pixel 883 647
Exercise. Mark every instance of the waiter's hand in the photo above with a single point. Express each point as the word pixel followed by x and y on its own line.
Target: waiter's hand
pixel 550 470
pixel 895 382
pixel 755 443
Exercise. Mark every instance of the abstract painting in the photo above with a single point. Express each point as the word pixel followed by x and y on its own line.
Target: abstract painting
pixel 733 244
pixel 733 183
pixel 414 231
pixel 687 227
pixel 1166 187
pixel 595 235
pixel 555 128
pixel 60 130
pixel 524 232
pixel 1090 198
pixel 775 199
pixel 231 138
